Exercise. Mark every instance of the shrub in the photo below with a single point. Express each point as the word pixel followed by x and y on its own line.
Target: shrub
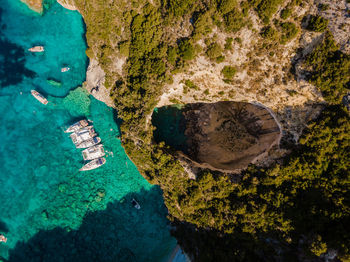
pixel 269 32
pixel 266 8
pixel 285 13
pixel 228 72
pixel 317 23
pixel 172 55
pixel 289 31
pixel 186 50
pixel 191 85
pixel 202 25
pixel 178 7
pixel 226 6
pixel 234 21
pixel 228 43
pixel 124 48
pixel 329 69
pixel 214 51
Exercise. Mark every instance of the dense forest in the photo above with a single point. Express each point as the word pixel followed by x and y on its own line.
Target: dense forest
pixel 294 210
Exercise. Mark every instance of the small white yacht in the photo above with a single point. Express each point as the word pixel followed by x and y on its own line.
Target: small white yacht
pixel 65 69
pixel 135 204
pixel 76 126
pixel 36 49
pixel 39 97
pixel 90 142
pixel 83 134
pixel 93 164
pixel 93 152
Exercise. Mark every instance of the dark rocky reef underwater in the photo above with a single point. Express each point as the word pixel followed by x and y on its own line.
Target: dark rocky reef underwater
pixel 224 136
pixel 105 236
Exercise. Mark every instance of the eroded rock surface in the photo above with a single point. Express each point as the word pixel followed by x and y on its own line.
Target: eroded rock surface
pixel 224 136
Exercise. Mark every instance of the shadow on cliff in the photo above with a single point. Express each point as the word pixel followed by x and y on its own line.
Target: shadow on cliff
pixel 12 60
pixel 118 233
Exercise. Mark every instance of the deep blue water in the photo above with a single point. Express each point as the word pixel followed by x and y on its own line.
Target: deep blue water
pixel 50 211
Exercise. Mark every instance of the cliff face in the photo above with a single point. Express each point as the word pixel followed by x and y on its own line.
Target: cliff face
pixel 67 4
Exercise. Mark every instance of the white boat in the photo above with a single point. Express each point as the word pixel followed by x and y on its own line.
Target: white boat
pixel 93 164
pixel 135 204
pixel 65 69
pixel 36 49
pixel 93 152
pixel 76 126
pixel 83 134
pixel 39 97
pixel 90 142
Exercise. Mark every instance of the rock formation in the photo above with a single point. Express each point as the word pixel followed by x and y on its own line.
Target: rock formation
pixel 228 136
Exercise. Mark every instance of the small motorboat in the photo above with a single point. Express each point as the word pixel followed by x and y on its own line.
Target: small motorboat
pixel 90 142
pixel 93 152
pixel 93 164
pixel 65 69
pixel 39 97
pixel 36 49
pixel 83 134
pixel 135 204
pixel 77 126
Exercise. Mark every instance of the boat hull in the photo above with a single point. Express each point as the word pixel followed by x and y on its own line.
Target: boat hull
pixel 77 126
pixel 93 152
pixel 93 164
pixel 89 143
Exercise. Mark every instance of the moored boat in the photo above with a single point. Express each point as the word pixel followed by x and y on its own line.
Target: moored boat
pixel 39 97
pixel 135 204
pixel 90 142
pixel 36 49
pixel 93 164
pixel 93 152
pixel 65 69
pixel 76 126
pixel 83 134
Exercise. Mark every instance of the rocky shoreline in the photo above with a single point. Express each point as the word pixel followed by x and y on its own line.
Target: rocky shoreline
pixel 35 5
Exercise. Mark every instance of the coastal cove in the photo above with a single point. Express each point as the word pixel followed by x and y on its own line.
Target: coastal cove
pixel 48 209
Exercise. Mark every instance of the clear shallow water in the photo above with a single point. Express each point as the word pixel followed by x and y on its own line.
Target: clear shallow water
pixel 48 209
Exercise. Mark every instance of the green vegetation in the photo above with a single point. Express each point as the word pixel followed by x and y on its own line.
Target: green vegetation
pixel 191 85
pixel 317 23
pixel 214 51
pixel 178 7
pixel 289 31
pixel 228 43
pixel 285 13
pixel 266 8
pixel 329 69
pixel 186 50
pixel 305 197
pixel 228 72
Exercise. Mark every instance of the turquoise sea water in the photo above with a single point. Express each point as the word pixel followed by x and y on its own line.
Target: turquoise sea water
pixel 49 211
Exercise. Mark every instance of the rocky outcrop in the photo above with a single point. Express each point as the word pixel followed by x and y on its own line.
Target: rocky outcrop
pixel 35 5
pixel 228 136
pixel 95 78
pixel 67 4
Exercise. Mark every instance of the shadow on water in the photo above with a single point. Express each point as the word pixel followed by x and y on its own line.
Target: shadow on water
pixel 170 127
pixel 12 61
pixel 3 227
pixel 118 233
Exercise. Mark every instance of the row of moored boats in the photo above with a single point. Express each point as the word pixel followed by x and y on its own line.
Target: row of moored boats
pixel 84 136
